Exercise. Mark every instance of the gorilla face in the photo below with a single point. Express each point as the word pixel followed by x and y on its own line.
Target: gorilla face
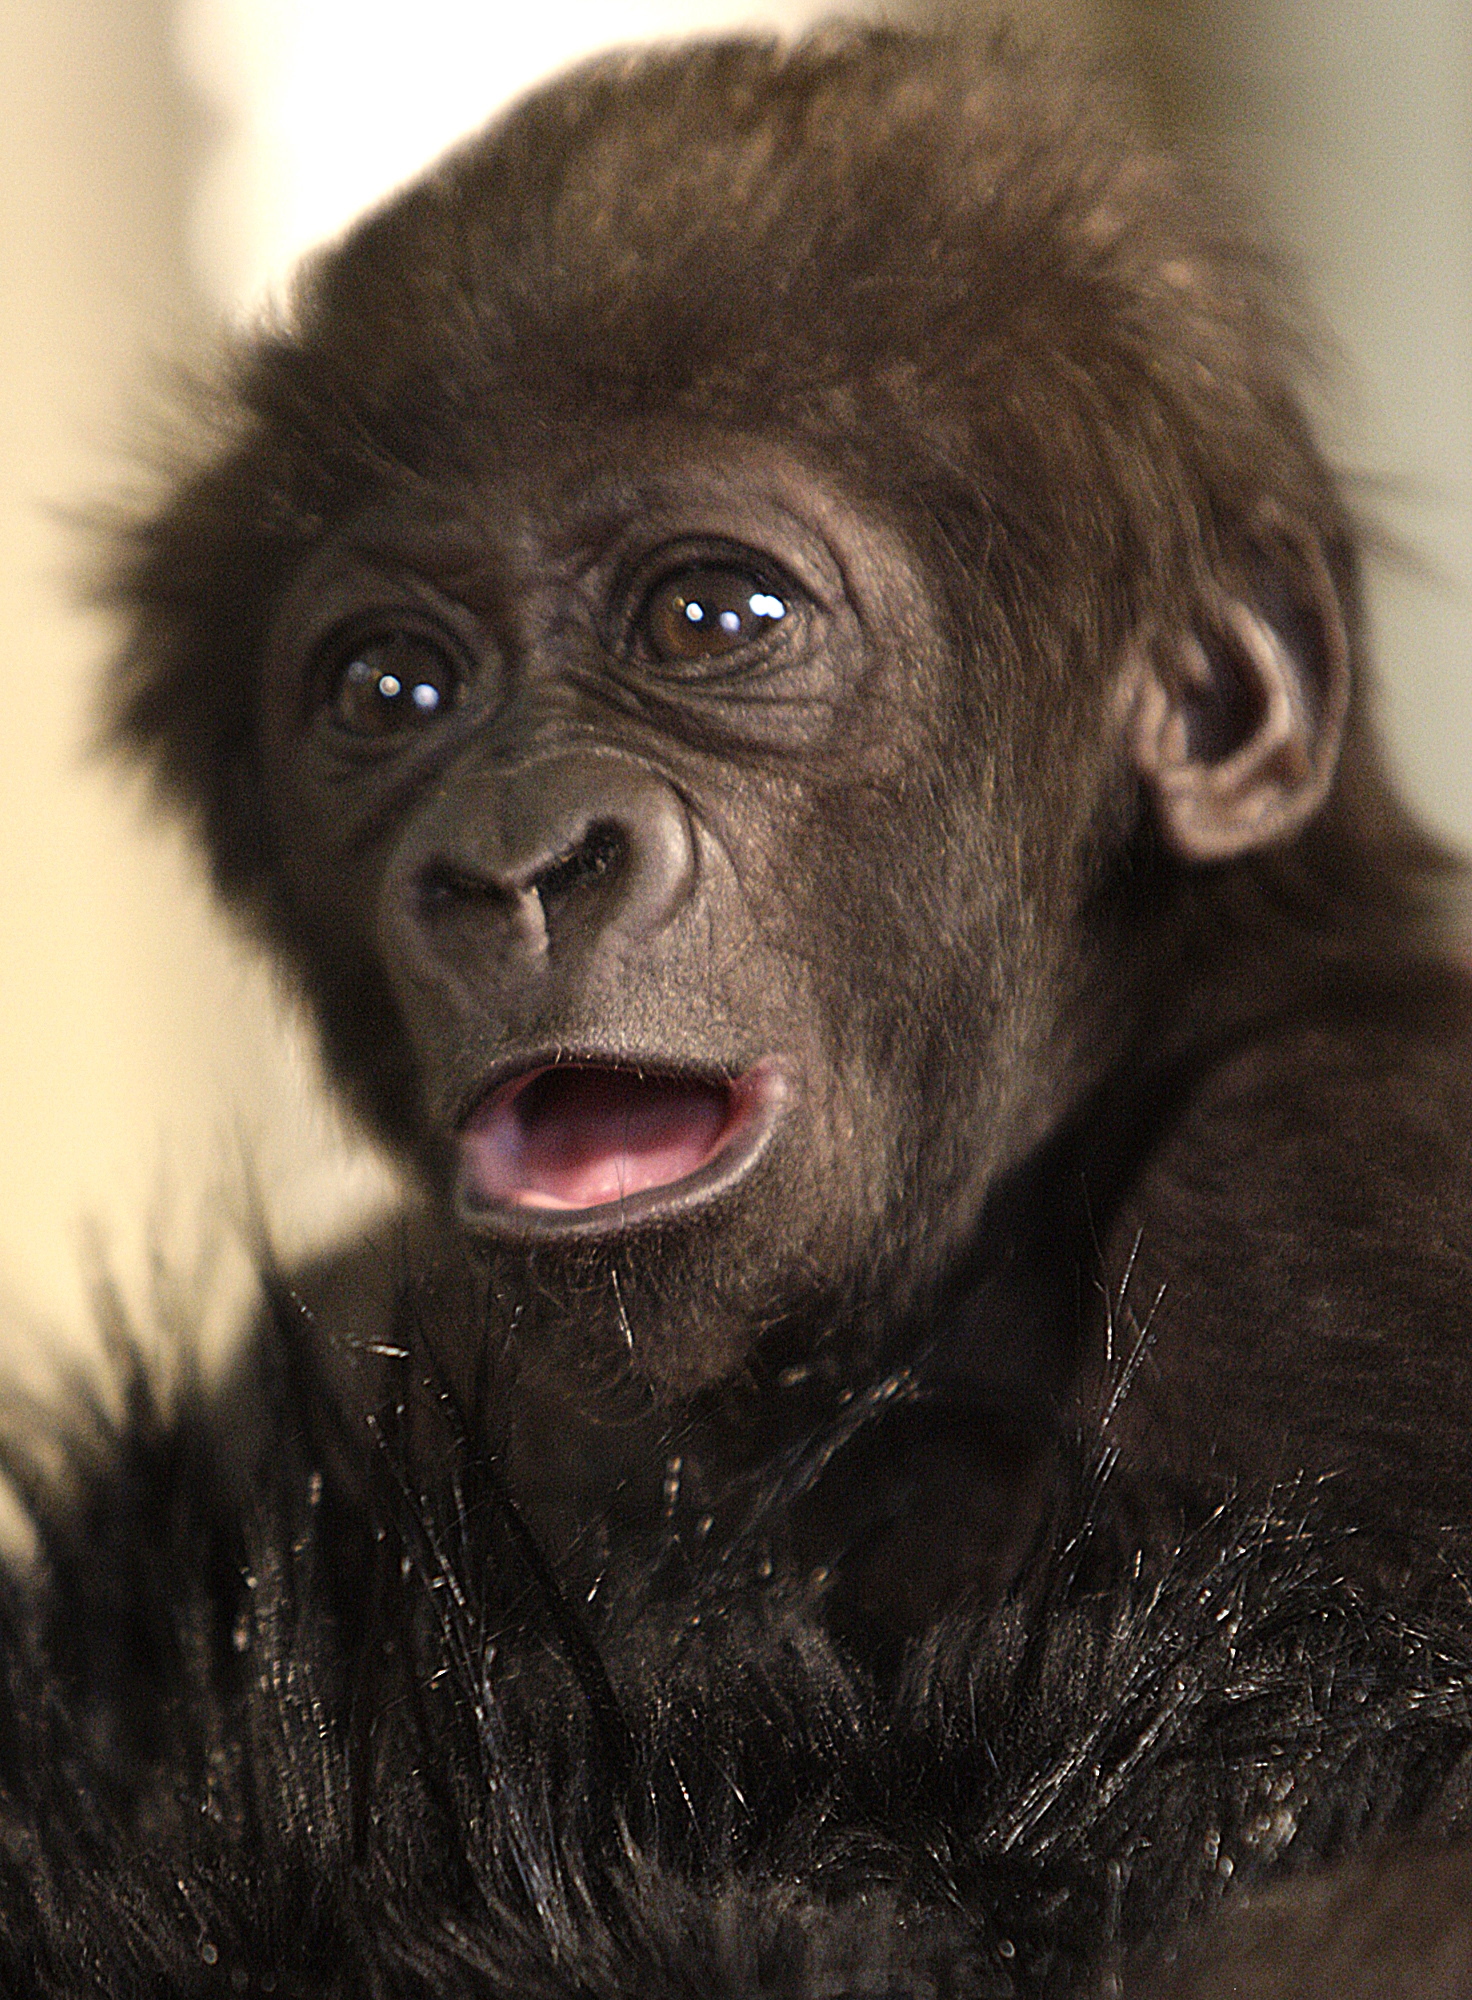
pixel 632 799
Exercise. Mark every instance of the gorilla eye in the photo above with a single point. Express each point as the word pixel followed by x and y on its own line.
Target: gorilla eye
pixel 704 613
pixel 389 684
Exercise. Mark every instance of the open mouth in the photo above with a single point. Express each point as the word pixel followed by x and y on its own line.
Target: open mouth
pixel 571 1139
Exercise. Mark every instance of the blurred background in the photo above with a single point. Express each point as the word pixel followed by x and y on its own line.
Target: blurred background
pixel 164 162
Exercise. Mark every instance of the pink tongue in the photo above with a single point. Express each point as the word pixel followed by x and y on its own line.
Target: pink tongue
pixel 577 1138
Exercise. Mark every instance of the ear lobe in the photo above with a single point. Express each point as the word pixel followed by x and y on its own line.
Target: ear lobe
pixel 1236 729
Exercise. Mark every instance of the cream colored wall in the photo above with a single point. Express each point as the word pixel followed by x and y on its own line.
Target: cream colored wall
pixel 1350 124
pixel 138 1047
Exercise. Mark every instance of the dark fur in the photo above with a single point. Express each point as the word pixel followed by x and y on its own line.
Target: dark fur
pixel 1087 1063
pixel 266 1741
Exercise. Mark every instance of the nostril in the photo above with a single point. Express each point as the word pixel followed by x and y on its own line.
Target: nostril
pixel 602 851
pixel 441 883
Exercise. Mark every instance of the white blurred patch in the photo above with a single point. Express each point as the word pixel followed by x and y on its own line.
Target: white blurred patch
pixel 327 104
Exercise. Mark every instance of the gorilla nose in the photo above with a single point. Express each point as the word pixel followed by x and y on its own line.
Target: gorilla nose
pixel 560 851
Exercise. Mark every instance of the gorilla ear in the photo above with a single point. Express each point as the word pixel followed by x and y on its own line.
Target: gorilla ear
pixel 1235 727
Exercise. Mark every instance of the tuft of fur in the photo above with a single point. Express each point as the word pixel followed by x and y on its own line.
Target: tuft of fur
pixel 273 1740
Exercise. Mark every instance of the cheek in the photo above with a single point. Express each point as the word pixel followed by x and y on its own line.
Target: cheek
pixel 331 832
pixel 932 993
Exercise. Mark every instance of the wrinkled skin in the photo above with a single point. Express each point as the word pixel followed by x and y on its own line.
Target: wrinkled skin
pixel 752 803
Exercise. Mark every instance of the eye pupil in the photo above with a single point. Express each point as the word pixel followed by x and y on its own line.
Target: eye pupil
pixel 706 612
pixel 389 684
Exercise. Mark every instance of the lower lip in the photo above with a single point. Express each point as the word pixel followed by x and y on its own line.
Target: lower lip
pixel 616 1151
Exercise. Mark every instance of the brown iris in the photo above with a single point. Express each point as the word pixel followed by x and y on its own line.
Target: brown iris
pixel 706 612
pixel 395 682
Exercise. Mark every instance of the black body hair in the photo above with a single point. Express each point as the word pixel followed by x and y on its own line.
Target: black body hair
pixel 259 1740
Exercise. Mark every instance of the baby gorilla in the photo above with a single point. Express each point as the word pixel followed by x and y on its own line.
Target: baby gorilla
pixel 771 648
